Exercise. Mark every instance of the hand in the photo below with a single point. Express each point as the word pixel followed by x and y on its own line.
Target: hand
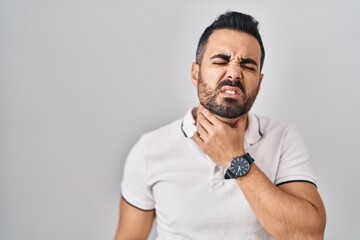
pixel 220 141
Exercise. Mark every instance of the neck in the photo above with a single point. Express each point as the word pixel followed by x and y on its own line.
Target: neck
pixel 229 121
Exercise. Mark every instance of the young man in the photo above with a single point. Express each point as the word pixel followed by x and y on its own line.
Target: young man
pixel 222 172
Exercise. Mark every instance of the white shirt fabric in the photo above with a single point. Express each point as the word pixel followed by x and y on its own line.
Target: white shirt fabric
pixel 168 172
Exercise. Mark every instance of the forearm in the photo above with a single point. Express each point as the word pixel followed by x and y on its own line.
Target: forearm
pixel 282 214
pixel 291 211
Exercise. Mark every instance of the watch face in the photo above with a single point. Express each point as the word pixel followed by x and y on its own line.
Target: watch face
pixel 239 166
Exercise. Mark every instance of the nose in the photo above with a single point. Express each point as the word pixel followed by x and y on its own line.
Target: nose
pixel 234 71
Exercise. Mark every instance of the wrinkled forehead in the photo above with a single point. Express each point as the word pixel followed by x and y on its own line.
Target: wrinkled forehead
pixel 233 43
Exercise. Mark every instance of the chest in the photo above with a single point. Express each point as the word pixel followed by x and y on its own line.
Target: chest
pixel 192 197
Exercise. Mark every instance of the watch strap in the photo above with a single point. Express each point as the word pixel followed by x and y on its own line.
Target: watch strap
pixel 248 158
pixel 229 174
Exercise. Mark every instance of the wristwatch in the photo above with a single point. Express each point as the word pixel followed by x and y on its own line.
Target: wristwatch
pixel 239 166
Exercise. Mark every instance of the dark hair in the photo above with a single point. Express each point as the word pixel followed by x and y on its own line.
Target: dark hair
pixel 235 21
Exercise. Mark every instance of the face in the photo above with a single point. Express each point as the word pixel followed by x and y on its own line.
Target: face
pixel 228 78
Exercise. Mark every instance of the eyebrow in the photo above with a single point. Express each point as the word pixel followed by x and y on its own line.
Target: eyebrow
pixel 222 56
pixel 248 60
pixel 228 57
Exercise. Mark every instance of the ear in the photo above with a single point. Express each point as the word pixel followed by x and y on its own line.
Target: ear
pixel 260 79
pixel 195 73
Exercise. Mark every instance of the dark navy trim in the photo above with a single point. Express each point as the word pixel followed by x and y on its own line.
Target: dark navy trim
pixel 145 210
pixel 306 181
pixel 182 125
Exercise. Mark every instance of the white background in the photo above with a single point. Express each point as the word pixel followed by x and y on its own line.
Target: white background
pixel 80 81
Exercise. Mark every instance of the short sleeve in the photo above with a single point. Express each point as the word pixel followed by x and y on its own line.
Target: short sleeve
pixel 294 162
pixel 134 187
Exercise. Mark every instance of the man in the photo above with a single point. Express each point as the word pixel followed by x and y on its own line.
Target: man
pixel 222 172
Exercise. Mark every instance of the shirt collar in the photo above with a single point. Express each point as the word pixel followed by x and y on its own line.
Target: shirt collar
pixel 188 124
pixel 252 134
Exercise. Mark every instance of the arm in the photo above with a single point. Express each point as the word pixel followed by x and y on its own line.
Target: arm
pixel 288 211
pixel 134 224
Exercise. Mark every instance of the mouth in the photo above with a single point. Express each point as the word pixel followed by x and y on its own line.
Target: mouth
pixel 232 92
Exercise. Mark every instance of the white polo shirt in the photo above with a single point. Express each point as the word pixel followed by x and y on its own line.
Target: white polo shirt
pixel 168 172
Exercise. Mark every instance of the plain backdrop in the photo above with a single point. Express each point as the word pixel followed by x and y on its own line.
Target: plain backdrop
pixel 80 81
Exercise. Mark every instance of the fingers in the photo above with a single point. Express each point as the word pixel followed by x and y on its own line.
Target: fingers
pixel 203 122
pixel 209 116
pixel 203 125
pixel 196 137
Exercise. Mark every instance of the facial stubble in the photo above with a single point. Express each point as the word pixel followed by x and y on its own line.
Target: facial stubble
pixel 226 107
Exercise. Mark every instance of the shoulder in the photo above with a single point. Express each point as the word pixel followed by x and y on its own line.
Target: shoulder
pixel 270 126
pixel 285 137
pixel 277 133
pixel 156 142
pixel 164 136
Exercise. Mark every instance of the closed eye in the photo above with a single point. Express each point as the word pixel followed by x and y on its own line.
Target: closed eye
pixel 249 64
pixel 222 63
pixel 220 59
pixel 248 67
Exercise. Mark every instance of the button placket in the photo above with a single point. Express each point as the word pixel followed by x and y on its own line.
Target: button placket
pixel 217 175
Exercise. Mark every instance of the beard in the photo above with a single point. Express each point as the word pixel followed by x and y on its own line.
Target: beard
pixel 226 107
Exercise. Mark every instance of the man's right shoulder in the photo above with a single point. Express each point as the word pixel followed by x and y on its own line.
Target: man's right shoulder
pixel 164 135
